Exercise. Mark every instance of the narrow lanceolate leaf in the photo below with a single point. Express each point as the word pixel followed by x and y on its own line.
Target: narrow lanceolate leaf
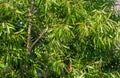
pixel 18 11
pixel 64 39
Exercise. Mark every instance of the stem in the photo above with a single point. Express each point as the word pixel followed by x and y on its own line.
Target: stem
pixel 29 44
pixel 30 9
pixel 40 36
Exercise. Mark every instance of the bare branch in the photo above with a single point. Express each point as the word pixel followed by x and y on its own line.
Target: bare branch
pixel 40 36
pixel 30 9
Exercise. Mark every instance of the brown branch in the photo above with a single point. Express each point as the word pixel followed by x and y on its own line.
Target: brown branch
pixel 40 36
pixel 29 38
pixel 29 45
pixel 30 9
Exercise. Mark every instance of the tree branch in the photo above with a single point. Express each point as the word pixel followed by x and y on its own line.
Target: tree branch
pixel 30 9
pixel 40 36
pixel 29 44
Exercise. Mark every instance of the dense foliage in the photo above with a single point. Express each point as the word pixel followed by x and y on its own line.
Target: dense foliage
pixel 82 40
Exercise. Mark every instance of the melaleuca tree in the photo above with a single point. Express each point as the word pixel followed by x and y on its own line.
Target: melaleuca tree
pixel 58 38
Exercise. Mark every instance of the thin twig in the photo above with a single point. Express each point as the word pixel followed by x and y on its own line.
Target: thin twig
pixel 40 36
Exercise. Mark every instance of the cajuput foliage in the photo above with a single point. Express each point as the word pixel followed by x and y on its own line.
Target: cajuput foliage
pixel 82 40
